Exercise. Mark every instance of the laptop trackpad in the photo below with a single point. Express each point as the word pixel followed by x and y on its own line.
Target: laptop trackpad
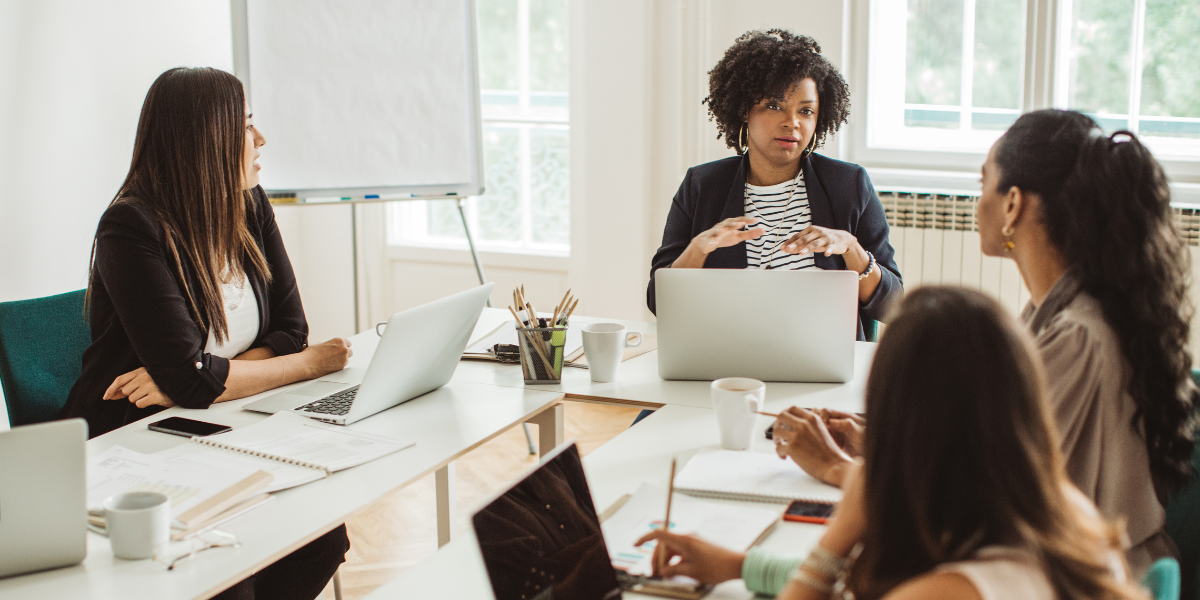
pixel 318 389
pixel 293 398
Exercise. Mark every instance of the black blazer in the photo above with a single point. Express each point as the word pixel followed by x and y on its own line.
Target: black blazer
pixel 139 316
pixel 840 196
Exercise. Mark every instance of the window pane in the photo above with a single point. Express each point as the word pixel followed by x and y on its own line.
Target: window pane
pixel 999 43
pixel 551 185
pixel 933 73
pixel 548 46
pixel 499 209
pixel 497 22
pixel 1101 34
pixel 1171 69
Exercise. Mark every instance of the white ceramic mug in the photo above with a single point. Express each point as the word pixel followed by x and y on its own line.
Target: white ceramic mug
pixel 736 401
pixel 139 524
pixel 604 345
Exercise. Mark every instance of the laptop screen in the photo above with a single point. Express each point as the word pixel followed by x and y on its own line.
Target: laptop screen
pixel 542 538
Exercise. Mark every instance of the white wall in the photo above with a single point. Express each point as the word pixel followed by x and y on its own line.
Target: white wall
pixel 73 75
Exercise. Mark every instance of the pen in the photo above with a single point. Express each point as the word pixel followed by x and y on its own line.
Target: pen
pixel 659 553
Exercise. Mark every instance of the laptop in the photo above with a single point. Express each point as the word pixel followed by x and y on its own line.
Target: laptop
pixel 419 351
pixel 43 497
pixel 795 326
pixel 541 538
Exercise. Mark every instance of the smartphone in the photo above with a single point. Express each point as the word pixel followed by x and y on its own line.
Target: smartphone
pixel 187 427
pixel 804 511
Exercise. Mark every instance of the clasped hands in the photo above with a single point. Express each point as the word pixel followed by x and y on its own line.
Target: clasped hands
pixel 823 442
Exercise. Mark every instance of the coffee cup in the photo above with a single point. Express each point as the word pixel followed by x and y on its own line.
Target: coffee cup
pixel 138 523
pixel 736 402
pixel 604 346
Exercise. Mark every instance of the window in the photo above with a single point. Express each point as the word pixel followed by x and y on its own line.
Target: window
pixel 523 92
pixel 1135 64
pixel 945 74
pixel 952 75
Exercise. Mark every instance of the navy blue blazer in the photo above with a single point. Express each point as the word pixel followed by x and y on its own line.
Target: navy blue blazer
pixel 840 196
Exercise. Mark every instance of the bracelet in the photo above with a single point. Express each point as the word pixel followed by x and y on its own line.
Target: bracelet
pixel 870 265
pixel 811 582
pixel 825 562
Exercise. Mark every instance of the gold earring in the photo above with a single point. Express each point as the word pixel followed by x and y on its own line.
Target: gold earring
pixel 742 141
pixel 1007 231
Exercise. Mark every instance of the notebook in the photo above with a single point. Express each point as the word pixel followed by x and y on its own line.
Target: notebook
pixel 753 476
pixel 294 449
pixel 732 526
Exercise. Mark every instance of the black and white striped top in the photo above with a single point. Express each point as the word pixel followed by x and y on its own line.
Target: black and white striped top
pixel 769 206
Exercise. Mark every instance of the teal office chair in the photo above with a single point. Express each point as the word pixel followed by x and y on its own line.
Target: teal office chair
pixel 1162 580
pixel 1183 525
pixel 41 349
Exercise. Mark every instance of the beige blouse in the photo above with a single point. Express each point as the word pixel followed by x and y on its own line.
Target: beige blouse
pixel 1088 379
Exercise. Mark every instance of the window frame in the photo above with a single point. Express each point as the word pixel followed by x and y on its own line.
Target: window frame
pixel 1044 75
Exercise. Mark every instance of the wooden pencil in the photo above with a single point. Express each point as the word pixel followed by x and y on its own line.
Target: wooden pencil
pixel 660 554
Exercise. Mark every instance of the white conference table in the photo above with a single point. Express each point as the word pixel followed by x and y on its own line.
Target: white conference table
pixel 482 400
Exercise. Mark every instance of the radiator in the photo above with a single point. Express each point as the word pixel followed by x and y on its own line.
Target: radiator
pixel 936 239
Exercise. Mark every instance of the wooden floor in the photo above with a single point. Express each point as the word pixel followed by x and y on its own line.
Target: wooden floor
pixel 400 529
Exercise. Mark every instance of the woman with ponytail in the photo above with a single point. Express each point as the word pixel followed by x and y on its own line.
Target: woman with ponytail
pixel 962 495
pixel 1087 219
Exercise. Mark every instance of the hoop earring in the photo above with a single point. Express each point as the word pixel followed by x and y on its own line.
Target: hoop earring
pixel 742 145
pixel 1007 231
pixel 812 145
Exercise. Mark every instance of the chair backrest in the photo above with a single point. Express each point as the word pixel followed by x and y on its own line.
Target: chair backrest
pixel 1183 525
pixel 871 330
pixel 41 354
pixel 1162 580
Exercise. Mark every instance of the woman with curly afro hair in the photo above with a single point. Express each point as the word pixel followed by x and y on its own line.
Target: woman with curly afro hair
pixel 777 204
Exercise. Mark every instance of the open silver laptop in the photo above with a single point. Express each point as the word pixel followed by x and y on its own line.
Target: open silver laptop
pixel 796 326
pixel 43 496
pixel 419 351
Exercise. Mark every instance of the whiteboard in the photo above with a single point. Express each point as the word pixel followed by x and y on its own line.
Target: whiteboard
pixel 363 97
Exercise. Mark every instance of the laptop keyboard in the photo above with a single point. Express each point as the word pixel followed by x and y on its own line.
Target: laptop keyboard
pixel 333 404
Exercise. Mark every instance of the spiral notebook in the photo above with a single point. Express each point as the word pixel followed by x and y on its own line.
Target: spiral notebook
pixel 294 449
pixel 754 476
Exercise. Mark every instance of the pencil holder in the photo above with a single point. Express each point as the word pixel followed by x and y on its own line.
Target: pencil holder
pixel 542 353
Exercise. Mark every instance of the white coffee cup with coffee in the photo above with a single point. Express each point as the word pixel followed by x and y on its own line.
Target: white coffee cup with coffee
pixel 736 401
pixel 604 346
pixel 138 523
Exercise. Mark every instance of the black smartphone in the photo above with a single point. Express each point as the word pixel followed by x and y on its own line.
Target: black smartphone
pixel 187 427
pixel 804 511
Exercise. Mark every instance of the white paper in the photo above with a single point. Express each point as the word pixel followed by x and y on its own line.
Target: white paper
pixel 292 436
pixel 751 475
pixel 186 482
pixel 733 526
pixel 286 475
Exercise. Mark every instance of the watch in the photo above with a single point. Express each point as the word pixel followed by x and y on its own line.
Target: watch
pixel 870 266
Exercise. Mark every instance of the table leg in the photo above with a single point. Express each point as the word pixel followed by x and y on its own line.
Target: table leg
pixel 446 503
pixel 550 428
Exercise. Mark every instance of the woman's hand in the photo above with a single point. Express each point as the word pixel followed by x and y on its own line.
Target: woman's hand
pixel 698 559
pixel 847 429
pixel 723 234
pixel 802 435
pixel 820 239
pixel 139 387
pixel 727 233
pixel 323 359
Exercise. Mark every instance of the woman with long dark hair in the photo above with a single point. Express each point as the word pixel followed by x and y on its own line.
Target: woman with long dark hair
pixel 778 204
pixel 963 492
pixel 1087 219
pixel 192 299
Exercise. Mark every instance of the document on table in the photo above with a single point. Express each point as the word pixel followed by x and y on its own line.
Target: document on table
pixel 733 526
pixel 506 333
pixel 185 482
pixel 756 476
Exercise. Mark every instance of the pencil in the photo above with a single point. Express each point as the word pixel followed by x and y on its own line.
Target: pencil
pixel 767 414
pixel 659 553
